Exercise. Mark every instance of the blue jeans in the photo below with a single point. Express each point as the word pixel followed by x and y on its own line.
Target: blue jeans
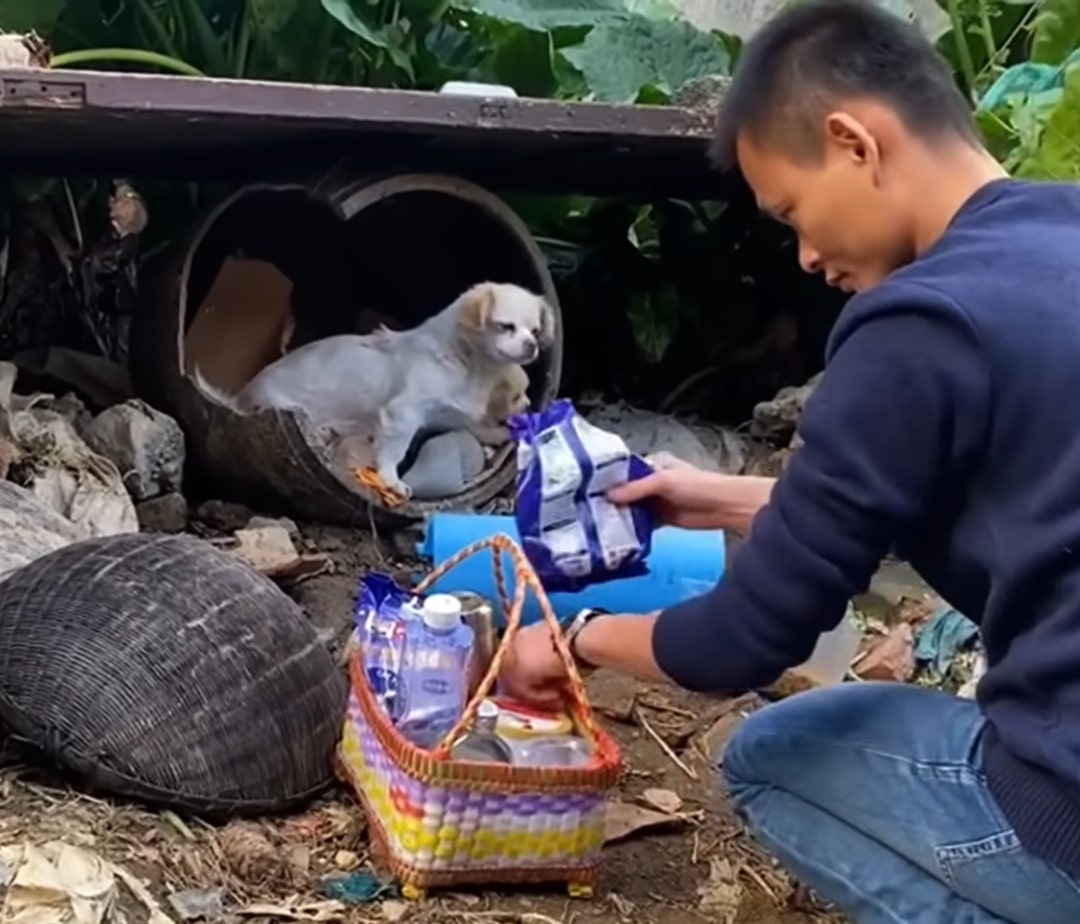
pixel 872 794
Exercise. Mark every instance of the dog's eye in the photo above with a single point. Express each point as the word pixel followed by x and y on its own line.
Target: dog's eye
pixel 506 328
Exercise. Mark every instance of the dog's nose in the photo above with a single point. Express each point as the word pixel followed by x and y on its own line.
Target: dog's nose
pixel 531 350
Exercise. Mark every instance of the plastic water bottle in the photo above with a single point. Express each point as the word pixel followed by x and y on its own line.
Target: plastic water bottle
pixel 435 673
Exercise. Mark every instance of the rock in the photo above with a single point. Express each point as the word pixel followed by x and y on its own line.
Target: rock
pixel 165 514
pixel 258 522
pixel 223 516
pixel 346 860
pixel 777 420
pixel 269 549
pixel 646 433
pixel 23 51
pixel 146 445
pixel 394 910
pixel 613 695
pixel 197 904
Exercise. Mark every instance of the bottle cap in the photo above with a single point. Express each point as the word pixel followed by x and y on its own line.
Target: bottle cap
pixel 442 611
pixel 487 709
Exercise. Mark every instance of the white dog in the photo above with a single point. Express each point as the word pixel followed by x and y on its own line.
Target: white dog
pixel 391 385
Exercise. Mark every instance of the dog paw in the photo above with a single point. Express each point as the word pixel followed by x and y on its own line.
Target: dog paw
pixel 391 492
pixel 397 486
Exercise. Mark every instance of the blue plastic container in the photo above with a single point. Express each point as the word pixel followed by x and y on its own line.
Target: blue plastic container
pixel 683 564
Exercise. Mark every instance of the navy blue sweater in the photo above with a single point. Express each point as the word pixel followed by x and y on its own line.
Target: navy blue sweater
pixel 946 426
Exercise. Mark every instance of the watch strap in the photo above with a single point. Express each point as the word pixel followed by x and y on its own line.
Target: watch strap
pixel 577 624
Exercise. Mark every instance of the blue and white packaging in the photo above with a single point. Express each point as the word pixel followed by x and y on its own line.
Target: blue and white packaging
pixel 571 533
pixel 383 608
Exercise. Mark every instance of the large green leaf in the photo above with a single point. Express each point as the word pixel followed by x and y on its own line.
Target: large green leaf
pixel 25 15
pixel 271 16
pixel 524 60
pixel 654 321
pixel 621 56
pixel 1055 31
pixel 545 15
pixel 654 9
pixel 1057 154
pixel 372 33
pixel 293 39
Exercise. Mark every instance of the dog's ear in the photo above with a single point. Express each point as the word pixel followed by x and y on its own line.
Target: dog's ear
pixel 547 325
pixel 476 305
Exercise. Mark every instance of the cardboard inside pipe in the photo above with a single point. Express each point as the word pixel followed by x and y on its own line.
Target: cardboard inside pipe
pixel 242 325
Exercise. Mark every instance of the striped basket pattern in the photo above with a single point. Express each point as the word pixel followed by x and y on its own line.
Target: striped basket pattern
pixel 436 822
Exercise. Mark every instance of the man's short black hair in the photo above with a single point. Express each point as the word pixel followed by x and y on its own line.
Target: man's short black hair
pixel 817 52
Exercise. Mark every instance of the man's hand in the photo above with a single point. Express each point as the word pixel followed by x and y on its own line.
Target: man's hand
pixel 693 499
pixel 533 672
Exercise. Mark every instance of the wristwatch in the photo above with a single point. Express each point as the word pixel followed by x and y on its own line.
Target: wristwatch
pixel 573 630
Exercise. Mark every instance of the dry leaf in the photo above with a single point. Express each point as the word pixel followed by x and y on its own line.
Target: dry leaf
pixel 663 800
pixel 57 883
pixel 623 819
pixel 722 894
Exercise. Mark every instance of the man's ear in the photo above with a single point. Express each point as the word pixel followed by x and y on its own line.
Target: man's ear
pixel 476 305
pixel 851 135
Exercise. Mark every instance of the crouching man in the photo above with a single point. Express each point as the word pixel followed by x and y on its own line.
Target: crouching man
pixel 946 426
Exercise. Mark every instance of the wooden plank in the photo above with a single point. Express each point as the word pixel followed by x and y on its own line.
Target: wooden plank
pixel 139 124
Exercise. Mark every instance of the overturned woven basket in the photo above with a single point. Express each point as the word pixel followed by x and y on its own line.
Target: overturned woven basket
pixel 159 668
pixel 437 822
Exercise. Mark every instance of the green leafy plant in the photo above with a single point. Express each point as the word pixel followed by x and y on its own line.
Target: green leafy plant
pixel 588 49
pixel 1030 114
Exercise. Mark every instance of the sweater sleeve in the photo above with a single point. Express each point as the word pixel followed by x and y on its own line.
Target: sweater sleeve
pixel 895 421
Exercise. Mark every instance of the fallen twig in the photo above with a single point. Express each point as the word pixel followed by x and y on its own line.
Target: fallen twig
pixel 663 745
pixel 666 707
pixel 760 882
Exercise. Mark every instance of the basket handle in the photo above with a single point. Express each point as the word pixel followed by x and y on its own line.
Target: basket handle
pixel 524 577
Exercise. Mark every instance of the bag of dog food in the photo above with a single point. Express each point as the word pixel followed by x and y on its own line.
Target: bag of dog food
pixel 571 533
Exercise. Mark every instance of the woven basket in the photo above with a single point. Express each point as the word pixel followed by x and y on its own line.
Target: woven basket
pixel 437 822
pixel 161 669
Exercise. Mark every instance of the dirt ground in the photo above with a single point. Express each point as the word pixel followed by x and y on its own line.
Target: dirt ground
pixel 699 867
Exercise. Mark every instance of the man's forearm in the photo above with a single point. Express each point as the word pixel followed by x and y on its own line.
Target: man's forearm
pixel 753 493
pixel 620 643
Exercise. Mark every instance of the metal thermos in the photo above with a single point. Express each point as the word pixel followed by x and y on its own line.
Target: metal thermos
pixel 479 615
